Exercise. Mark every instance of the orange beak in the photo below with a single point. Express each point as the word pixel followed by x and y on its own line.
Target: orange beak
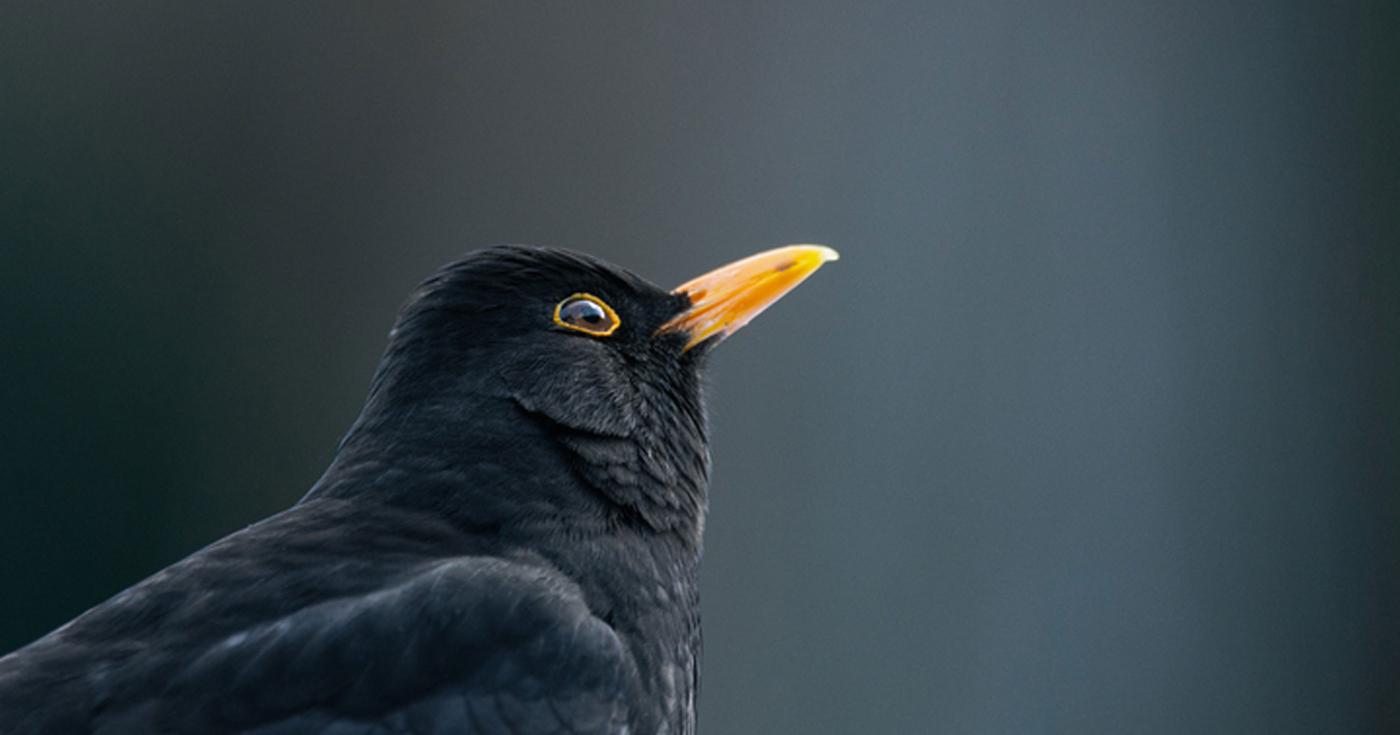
pixel 728 297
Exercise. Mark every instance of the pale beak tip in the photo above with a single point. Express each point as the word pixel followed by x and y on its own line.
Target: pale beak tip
pixel 826 254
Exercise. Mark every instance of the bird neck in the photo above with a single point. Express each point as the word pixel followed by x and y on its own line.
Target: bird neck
pixel 487 462
pixel 622 516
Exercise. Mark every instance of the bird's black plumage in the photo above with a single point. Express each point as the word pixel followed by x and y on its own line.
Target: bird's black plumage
pixel 506 542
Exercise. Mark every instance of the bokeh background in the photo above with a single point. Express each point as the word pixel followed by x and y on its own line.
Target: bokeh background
pixel 1094 428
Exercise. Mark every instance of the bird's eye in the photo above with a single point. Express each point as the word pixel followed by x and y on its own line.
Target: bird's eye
pixel 588 314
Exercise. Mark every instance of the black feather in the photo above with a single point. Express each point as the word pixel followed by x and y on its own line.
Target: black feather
pixel 506 542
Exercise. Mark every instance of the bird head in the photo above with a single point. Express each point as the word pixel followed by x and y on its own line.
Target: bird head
pixel 543 357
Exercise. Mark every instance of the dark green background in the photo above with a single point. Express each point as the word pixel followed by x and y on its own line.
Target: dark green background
pixel 1092 429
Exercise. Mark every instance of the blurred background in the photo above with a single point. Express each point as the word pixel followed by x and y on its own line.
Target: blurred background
pixel 1094 428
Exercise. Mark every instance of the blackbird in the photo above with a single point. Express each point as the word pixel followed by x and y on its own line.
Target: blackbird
pixel 507 540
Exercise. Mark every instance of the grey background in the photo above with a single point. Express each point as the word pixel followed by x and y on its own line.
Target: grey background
pixel 1092 429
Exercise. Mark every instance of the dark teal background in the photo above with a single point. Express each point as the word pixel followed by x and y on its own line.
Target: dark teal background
pixel 1092 429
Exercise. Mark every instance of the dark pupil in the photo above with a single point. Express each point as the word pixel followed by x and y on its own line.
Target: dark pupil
pixel 584 313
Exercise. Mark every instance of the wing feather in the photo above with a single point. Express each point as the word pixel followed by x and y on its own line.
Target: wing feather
pixel 470 645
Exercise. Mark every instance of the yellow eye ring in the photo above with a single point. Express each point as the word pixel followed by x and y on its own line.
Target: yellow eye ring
pixel 584 312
